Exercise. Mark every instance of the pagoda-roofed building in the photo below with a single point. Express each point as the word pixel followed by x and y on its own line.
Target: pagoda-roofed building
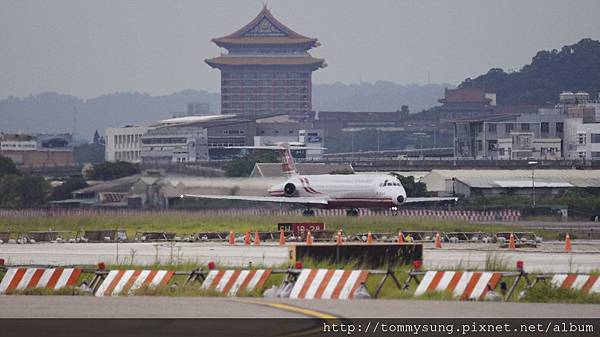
pixel 267 69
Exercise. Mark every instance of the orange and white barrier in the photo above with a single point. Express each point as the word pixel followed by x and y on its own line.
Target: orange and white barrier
pixel 230 282
pixel 583 282
pixel 49 278
pixel 327 283
pixel 465 285
pixel 122 282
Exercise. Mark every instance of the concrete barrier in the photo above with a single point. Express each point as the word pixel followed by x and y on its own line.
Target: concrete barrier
pixel 49 278
pixel 231 282
pixel 586 283
pixel 122 282
pixel 327 284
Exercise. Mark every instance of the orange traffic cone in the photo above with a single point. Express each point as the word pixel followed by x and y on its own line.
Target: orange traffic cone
pixel 231 238
pixel 247 239
pixel 281 238
pixel 438 241
pixel 339 237
pixel 400 237
pixel 567 243
pixel 511 242
pixel 309 239
pixel 369 238
pixel 256 238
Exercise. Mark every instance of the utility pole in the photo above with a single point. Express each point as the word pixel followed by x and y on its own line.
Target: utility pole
pixel 532 164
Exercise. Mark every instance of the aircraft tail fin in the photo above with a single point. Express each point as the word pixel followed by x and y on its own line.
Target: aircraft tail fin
pixel 287 161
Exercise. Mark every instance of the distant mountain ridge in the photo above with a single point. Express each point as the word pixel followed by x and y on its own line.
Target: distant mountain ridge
pixel 378 96
pixel 52 112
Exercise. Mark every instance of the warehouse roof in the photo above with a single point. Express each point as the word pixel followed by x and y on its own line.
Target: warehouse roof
pixel 514 178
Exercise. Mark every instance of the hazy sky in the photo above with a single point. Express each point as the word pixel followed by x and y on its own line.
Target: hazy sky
pixel 88 48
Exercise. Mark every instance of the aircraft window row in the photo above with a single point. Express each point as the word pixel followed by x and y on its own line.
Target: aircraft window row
pixel 390 184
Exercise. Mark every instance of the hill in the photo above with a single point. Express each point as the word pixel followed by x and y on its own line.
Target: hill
pixel 572 68
pixel 378 96
pixel 53 112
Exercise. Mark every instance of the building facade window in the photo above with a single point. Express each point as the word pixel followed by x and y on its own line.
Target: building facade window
pixel 595 138
pixel 524 126
pixel 559 127
pixel 491 128
pixel 544 127
pixel 509 127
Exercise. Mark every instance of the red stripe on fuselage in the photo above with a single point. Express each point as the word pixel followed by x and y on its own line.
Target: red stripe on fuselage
pixel 312 190
pixel 303 181
pixel 360 203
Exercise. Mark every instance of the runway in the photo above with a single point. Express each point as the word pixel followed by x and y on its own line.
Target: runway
pixel 549 257
pixel 215 307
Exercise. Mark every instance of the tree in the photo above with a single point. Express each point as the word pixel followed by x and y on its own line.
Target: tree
pixel 572 68
pixel 412 188
pixel 242 167
pixel 7 166
pixel 23 191
pixel 63 191
pixel 89 153
pixel 116 170
pixel 96 139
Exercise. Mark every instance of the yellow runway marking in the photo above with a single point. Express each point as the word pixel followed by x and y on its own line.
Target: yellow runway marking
pixel 291 308
pixel 317 330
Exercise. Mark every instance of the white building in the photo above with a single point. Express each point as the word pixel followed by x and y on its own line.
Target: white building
pixel 524 145
pixel 314 141
pixel 125 144
pixel 582 132
pixel 175 146
pixel 17 142
pixel 588 141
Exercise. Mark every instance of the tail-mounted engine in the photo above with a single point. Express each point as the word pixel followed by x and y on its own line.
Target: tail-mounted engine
pixel 290 190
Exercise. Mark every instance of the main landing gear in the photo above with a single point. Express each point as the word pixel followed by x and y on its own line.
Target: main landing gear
pixel 308 212
pixel 352 212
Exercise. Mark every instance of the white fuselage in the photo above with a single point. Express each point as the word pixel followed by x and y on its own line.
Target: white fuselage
pixel 345 191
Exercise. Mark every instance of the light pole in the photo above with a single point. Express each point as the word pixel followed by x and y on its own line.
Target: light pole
pixel 532 164
pixel 420 135
pixel 352 146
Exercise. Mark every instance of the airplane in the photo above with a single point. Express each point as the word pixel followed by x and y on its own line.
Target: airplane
pixel 329 191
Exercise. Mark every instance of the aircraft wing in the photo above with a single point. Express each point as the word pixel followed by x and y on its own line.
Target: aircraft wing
pixel 429 199
pixel 287 200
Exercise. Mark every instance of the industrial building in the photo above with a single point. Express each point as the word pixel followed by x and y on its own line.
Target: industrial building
pixel 198 138
pixel 469 183
pixel 582 127
pixel 569 130
pixel 37 150
pixel 124 144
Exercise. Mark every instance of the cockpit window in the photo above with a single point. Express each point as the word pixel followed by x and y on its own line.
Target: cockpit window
pixel 388 183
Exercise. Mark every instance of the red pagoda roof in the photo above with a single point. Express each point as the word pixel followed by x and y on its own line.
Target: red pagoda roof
pixel 264 61
pixel 264 29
